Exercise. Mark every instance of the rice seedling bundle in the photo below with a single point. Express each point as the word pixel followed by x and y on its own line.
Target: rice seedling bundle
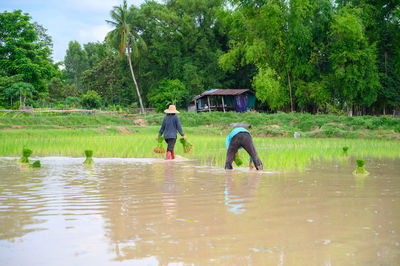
pixel 36 164
pixel 187 146
pixel 360 169
pixel 160 146
pixel 25 154
pixel 89 154
pixel 237 159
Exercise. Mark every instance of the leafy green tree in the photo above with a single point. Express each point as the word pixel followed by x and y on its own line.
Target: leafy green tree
pixel 126 38
pixel 56 88
pixel 23 90
pixel 6 93
pixel 169 92
pixel 91 100
pixel 96 52
pixel 355 78
pixel 25 49
pixel 72 101
pixel 382 26
pixel 184 40
pixel 76 62
pixel 268 89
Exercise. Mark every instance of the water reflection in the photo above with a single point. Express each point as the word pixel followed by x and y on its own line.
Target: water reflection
pixel 156 212
pixel 240 187
pixel 21 203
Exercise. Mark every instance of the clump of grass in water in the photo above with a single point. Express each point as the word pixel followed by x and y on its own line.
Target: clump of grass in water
pixel 237 159
pixel 160 146
pixel 89 154
pixel 36 164
pixel 187 146
pixel 345 149
pixel 360 169
pixel 25 154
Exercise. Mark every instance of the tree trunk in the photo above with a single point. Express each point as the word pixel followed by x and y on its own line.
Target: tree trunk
pixel 384 108
pixel 134 80
pixel 112 93
pixel 290 92
pixel 350 110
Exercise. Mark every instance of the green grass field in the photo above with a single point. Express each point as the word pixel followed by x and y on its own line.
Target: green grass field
pixel 276 153
pixel 133 136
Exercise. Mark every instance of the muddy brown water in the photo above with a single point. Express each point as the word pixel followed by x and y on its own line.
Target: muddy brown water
pixel 152 212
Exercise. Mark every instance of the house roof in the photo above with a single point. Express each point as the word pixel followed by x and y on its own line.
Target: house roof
pixel 225 92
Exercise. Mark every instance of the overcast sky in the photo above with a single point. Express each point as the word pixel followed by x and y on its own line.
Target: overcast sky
pixel 68 20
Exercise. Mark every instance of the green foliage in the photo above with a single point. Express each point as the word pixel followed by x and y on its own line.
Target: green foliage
pixel 125 39
pixel 355 77
pixel 168 92
pixel 76 62
pixel 23 90
pixel 91 100
pixel 269 90
pixel 25 49
pixel 315 56
pixel 6 92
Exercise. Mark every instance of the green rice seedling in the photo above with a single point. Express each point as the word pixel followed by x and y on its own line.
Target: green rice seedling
pixel 160 145
pixel 345 149
pixel 187 146
pixel 237 159
pixel 360 170
pixel 25 154
pixel 36 164
pixel 284 154
pixel 89 154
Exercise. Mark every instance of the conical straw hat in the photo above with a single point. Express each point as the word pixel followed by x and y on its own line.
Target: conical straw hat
pixel 171 110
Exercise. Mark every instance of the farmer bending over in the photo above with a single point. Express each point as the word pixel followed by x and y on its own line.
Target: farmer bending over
pixel 241 138
pixel 170 125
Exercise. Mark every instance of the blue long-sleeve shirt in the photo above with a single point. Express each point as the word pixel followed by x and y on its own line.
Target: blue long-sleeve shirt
pixel 170 125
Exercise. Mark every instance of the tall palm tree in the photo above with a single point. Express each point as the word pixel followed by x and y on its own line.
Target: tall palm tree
pixel 126 38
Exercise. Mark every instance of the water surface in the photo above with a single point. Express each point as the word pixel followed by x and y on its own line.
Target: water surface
pixel 153 212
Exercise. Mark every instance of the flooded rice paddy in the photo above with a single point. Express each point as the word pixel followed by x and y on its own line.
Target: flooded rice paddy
pixel 154 212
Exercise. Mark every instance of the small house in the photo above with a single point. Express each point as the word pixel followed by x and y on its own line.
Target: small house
pixel 225 100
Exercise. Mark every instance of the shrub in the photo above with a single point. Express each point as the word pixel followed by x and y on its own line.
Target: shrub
pixel 91 100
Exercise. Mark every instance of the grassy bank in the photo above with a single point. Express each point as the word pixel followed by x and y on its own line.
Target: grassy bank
pixel 263 125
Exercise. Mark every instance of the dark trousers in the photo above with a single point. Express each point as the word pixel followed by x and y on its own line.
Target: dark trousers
pixel 242 139
pixel 171 144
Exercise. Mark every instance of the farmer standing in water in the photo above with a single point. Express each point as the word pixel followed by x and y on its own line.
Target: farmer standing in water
pixel 241 138
pixel 170 125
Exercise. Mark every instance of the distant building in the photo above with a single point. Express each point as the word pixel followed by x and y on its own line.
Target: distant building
pixel 225 100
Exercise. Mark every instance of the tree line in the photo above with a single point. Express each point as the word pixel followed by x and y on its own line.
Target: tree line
pixel 312 56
